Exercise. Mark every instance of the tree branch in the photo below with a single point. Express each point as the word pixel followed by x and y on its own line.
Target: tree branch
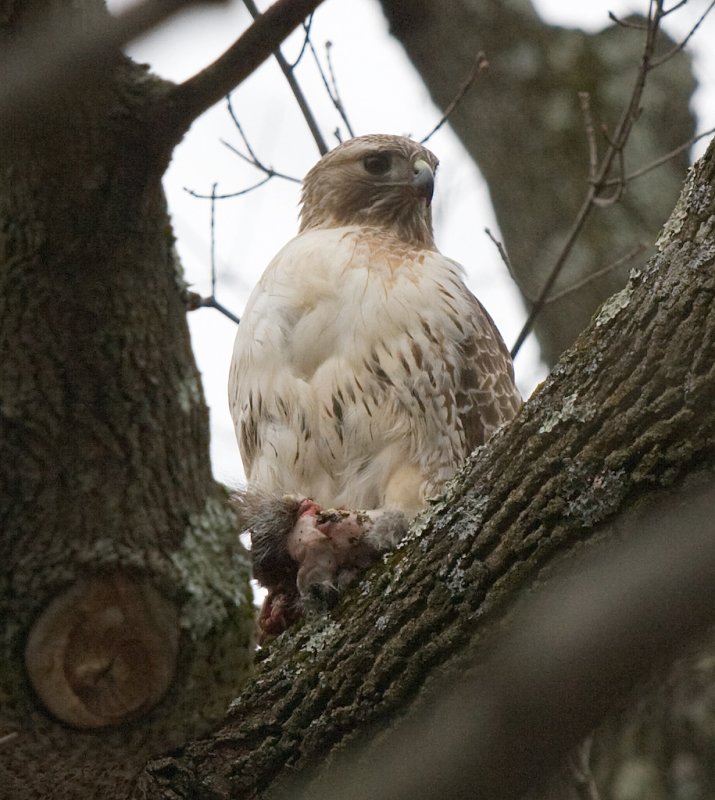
pixel 331 91
pixel 287 71
pixel 593 196
pixel 197 94
pixel 57 56
pixel 556 670
pixel 656 62
pixel 658 162
pixel 252 158
pixel 480 65
pixel 194 300
pixel 559 479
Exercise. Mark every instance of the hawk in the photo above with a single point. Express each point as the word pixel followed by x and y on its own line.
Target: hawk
pixel 364 372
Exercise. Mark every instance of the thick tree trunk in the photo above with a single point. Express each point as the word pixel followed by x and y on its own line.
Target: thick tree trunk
pixel 627 412
pixel 123 591
pixel 523 126
pixel 119 554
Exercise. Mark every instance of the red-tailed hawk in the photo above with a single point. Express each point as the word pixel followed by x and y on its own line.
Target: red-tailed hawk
pixel 364 370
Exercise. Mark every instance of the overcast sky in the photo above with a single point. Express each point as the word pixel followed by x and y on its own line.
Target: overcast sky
pixel 382 93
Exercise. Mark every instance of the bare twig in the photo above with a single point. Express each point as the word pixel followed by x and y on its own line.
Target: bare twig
pixel 585 101
pixel 639 249
pixel 294 87
pixel 335 94
pixel 662 160
pixel 252 158
pixel 674 8
pixel 194 300
pixel 502 253
pixel 593 276
pixel 656 62
pixel 480 65
pixel 332 94
pixel 620 184
pixel 234 117
pixel 624 23
pixel 191 98
pixel 228 195
pixel 213 239
pixel 306 27
pixel 593 195
pixel 269 171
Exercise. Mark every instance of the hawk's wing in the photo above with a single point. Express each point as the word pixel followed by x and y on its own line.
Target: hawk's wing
pixel 487 396
pixel 362 362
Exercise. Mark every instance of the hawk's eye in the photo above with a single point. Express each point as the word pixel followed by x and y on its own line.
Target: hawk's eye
pixel 377 163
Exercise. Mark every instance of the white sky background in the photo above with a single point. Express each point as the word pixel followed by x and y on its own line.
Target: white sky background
pixel 382 94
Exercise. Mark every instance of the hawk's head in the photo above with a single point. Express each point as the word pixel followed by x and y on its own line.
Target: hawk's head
pixel 378 180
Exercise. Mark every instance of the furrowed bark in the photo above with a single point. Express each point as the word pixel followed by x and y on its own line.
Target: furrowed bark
pixel 626 414
pixel 126 610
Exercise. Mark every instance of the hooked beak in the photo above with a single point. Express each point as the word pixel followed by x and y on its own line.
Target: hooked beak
pixel 423 179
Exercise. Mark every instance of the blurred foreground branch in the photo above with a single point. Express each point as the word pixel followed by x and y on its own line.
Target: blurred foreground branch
pixel 577 648
pixel 256 44
pixel 55 55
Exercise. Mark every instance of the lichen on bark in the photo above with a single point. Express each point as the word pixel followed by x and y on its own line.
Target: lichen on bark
pixel 105 477
pixel 627 411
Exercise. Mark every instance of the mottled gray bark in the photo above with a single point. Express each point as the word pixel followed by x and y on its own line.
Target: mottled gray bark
pixel 126 617
pixel 627 412
pixel 108 508
pixel 522 124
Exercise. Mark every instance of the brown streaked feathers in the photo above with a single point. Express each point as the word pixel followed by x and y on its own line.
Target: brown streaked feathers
pixel 364 370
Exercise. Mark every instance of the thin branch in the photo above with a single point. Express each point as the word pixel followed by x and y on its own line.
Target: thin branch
pixel 585 101
pixel 213 239
pixel 306 27
pixel 674 8
pixel 623 23
pixel 269 171
pixel 194 300
pixel 335 95
pixel 239 128
pixel 197 94
pixel 227 196
pixel 334 98
pixel 593 276
pixel 619 182
pixel 663 159
pixel 583 213
pixel 639 249
pixel 294 87
pixel 68 55
pixel 502 253
pixel 480 65
pixel 238 153
pixel 614 150
pixel 212 302
pixel 251 158
pixel 656 62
